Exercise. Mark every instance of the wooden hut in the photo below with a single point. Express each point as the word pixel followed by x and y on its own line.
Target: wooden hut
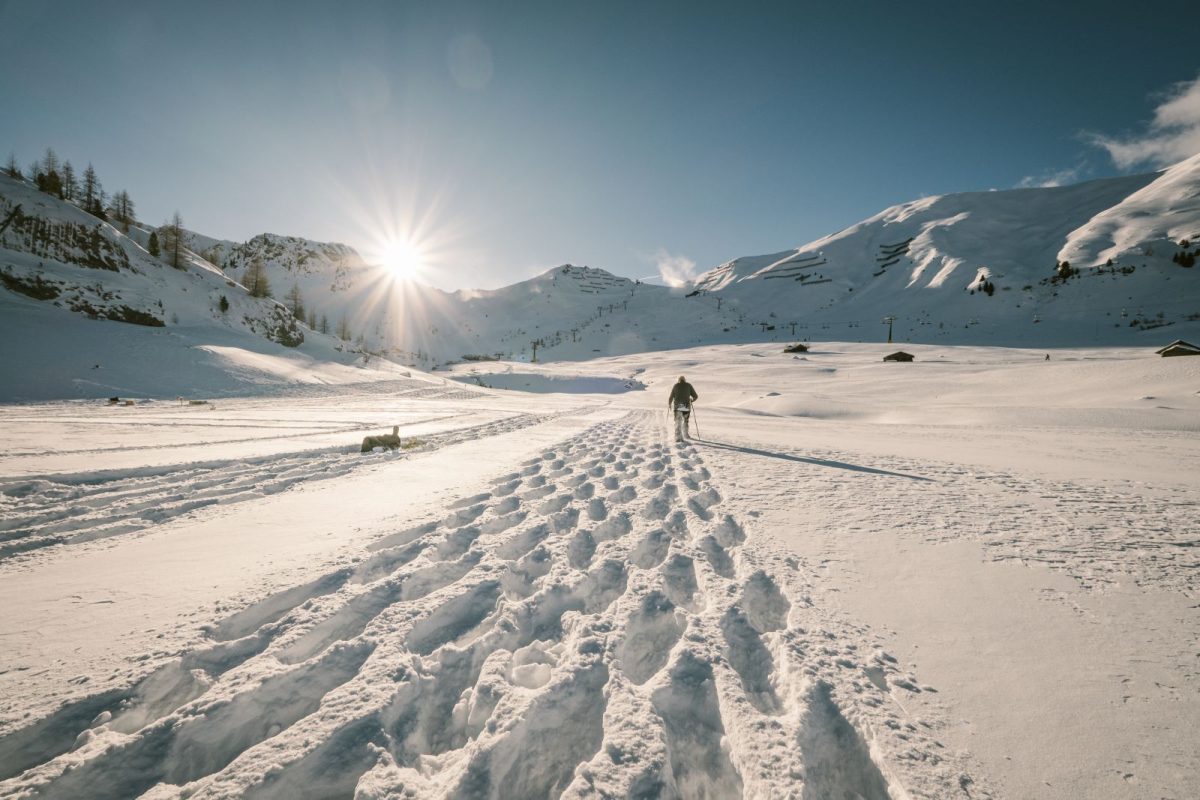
pixel 899 355
pixel 1179 348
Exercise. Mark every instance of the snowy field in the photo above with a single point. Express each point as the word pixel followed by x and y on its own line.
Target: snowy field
pixel 975 575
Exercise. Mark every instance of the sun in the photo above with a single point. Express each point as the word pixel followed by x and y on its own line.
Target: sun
pixel 403 259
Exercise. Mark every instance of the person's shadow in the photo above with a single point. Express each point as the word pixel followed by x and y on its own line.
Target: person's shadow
pixel 820 462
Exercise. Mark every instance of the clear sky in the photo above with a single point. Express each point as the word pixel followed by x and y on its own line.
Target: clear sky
pixel 509 137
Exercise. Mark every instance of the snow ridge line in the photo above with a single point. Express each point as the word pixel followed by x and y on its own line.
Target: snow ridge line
pixel 40 512
pixel 591 625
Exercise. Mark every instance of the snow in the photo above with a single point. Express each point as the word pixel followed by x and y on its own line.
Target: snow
pixel 970 575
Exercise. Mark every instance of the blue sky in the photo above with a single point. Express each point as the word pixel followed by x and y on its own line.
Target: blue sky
pixel 511 137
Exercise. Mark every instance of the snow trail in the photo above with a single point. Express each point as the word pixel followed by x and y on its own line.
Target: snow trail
pixel 72 509
pixel 590 625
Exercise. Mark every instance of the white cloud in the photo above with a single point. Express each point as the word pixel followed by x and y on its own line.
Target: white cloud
pixel 1061 177
pixel 674 270
pixel 1173 134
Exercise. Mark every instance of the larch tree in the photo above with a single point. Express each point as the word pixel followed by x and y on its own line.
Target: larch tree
pixel 70 183
pixel 295 302
pixel 176 250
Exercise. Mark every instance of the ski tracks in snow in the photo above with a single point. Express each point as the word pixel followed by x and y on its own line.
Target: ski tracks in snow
pixel 592 625
pixel 71 509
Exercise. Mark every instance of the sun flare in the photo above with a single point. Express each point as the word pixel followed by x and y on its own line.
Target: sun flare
pixel 403 259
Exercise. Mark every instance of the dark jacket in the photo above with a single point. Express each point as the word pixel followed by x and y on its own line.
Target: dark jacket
pixel 682 394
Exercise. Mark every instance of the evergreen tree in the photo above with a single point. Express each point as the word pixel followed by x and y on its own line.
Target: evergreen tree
pixel 152 246
pixel 224 304
pixel 343 329
pixel 295 302
pixel 323 327
pixel 311 321
pixel 11 169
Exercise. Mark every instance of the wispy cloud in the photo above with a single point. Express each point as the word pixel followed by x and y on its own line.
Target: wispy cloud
pixel 1060 177
pixel 1173 134
pixel 675 270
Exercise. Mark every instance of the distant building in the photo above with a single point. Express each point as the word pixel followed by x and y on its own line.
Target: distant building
pixel 796 348
pixel 1179 348
pixel 899 355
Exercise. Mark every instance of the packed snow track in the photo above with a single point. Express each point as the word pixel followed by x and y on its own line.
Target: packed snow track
pixel 591 625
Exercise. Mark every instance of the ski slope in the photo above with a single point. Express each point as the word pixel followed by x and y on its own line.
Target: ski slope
pixel 969 576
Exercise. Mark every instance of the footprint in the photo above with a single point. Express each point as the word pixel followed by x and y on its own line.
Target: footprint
pixel 651 551
pixel 178 751
pixel 523 542
pixel 613 528
pixel 454 619
pixel 729 533
pixel 721 563
pixel 751 660
pixel 649 636
pixel 837 760
pixel 470 501
pixel 679 582
pixel 581 549
pixel 597 509
pixel 386 562
pixel 457 542
pixel 404 537
pixel 274 607
pixel 765 606
pixel 463 516
pixel 699 760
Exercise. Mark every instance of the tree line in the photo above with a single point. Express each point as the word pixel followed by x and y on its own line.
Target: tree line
pixel 58 177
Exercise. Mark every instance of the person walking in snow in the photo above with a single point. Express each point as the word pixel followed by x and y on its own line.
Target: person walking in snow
pixel 680 404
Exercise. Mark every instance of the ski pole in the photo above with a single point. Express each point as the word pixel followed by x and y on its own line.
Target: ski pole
pixel 696 419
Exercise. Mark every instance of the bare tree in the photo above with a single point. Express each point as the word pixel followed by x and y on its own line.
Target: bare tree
pixel 295 302
pixel 70 184
pixel 91 191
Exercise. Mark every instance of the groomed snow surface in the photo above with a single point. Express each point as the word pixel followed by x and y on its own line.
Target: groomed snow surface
pixel 970 576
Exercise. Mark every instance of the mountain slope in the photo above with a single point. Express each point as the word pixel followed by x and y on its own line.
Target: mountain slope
pixel 88 312
pixel 930 262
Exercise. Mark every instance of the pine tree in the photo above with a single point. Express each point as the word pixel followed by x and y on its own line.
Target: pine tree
pixel 295 302
pixel 152 246
pixel 323 327
pixel 312 319
pixel 343 329
pixel 224 304
pixel 11 169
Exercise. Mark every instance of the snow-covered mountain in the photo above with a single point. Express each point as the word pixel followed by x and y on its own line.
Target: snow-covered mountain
pixel 1105 262
pixel 984 267
pixel 1101 262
